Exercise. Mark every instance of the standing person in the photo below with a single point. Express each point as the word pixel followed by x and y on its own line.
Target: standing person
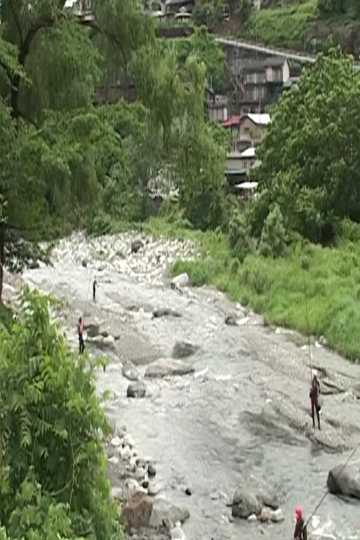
pixel 80 329
pixel 94 290
pixel 300 532
pixel 314 399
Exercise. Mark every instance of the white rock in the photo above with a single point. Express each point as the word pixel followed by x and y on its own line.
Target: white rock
pixel 252 518
pixel 114 460
pixel 277 516
pixel 116 441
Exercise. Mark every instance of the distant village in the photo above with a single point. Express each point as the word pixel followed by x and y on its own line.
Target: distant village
pixel 255 79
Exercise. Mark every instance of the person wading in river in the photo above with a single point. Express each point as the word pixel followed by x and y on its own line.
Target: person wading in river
pixel 315 400
pixel 80 329
pixel 300 532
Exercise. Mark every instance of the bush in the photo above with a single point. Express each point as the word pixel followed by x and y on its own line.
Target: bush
pixel 53 468
pixel 273 237
pixel 240 239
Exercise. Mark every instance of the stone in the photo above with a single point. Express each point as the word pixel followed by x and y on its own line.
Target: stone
pixel 154 488
pixel 177 533
pixel 244 504
pixel 114 460
pixel 34 265
pixel 167 367
pixel 265 515
pixel 231 319
pixel 268 498
pixel 136 245
pixel 164 512
pixel 136 390
pixel 115 442
pixel 92 329
pixel 182 280
pixel 183 349
pixel 165 312
pixel 130 372
pixel 132 487
pixel 138 510
pixel 277 516
pixel 151 470
pixel 344 480
pixel 188 492
pixel 84 263
pixel 252 518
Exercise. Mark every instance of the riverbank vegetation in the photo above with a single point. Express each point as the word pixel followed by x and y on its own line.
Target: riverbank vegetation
pixel 293 253
pixel 52 429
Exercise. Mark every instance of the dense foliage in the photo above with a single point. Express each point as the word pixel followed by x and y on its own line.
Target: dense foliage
pixel 53 469
pixel 65 162
pixel 310 160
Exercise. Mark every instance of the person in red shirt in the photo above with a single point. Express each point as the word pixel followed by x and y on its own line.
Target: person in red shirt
pixel 80 329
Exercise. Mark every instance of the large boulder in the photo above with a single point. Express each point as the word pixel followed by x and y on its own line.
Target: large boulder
pixel 182 349
pixel 136 390
pixel 167 367
pixel 344 480
pixel 92 329
pixel 245 504
pixel 166 514
pixel 138 510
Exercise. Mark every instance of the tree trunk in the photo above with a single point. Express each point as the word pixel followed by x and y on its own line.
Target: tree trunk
pixel 2 257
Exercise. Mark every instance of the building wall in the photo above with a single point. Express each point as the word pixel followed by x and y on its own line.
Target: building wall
pixel 251 133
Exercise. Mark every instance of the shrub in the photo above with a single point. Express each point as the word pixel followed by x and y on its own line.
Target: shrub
pixel 273 237
pixel 52 428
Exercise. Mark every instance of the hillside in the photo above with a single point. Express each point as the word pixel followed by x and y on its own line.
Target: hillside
pixel 310 25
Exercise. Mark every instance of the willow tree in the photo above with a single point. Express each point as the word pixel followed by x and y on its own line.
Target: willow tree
pixel 50 64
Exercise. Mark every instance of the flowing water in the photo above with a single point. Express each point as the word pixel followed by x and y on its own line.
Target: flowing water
pixel 242 417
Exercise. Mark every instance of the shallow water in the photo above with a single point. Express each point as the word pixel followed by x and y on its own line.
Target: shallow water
pixel 243 414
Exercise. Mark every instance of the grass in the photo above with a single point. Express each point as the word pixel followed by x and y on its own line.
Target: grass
pixel 313 290
pixel 282 26
pixel 5 315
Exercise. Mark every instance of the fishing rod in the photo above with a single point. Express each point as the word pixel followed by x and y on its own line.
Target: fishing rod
pixel 327 491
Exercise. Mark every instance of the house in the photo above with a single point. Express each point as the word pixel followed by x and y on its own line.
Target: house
pixel 252 129
pixel 217 107
pixel 258 83
pixel 175 6
pixel 247 130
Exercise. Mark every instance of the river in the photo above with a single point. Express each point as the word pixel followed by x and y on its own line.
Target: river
pixel 242 416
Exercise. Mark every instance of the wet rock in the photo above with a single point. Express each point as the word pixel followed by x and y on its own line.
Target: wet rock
pixel 138 510
pixel 165 312
pixel 136 245
pixel 164 512
pixel 136 390
pixel 182 349
pixel 182 280
pixel 244 504
pixel 168 367
pixel 344 480
pixel 92 329
pixel 188 492
pixel 130 372
pixel 151 470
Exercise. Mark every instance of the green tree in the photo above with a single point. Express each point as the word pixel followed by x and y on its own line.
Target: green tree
pixel 273 236
pixel 310 159
pixel 52 428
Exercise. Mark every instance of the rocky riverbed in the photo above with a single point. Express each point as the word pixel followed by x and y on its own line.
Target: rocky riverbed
pixel 219 402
